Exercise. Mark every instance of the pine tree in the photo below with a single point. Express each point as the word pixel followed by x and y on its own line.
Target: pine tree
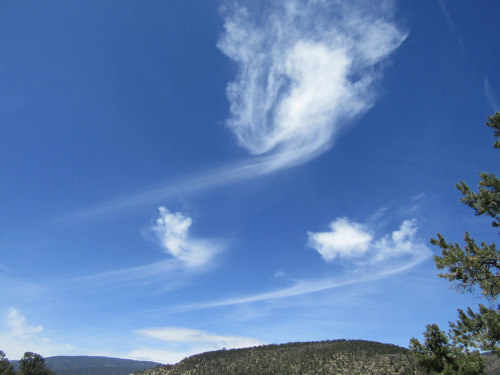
pixel 6 367
pixel 467 268
pixel 34 364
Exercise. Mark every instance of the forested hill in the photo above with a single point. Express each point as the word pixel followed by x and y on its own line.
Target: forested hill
pixel 315 358
pixel 83 365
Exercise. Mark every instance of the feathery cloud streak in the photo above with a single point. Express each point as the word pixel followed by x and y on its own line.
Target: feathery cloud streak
pixel 304 69
pixel 168 340
pixel 490 95
pixel 368 260
pixel 19 336
pixel 180 334
pixel 188 255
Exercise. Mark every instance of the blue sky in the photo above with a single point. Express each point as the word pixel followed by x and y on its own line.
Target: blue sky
pixel 189 175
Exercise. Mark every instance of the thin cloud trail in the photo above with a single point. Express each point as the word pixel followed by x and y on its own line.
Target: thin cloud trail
pixel 209 179
pixel 490 95
pixel 305 70
pixel 368 259
pixel 451 24
pixel 171 231
pixel 306 287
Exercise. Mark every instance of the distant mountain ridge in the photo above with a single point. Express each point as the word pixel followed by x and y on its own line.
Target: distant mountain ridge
pixel 88 365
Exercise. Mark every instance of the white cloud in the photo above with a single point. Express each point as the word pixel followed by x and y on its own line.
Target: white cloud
pixel 165 356
pixel 179 334
pixel 353 241
pixel 171 229
pixel 345 240
pixel 194 341
pixel 367 258
pixel 18 326
pixel 401 242
pixel 18 337
pixel 305 67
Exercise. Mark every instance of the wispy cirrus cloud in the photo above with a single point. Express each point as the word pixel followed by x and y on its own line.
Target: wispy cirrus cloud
pixel 193 341
pixel 181 334
pixel 187 254
pixel 304 69
pixel 491 96
pixel 19 336
pixel 450 22
pixel 365 258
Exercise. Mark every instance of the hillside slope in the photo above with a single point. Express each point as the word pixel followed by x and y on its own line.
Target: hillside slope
pixel 83 365
pixel 327 357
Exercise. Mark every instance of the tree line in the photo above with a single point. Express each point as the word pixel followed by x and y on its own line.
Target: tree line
pixel 30 364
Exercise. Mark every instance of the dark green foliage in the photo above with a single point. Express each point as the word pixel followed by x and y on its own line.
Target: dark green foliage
pixel 479 330
pixel 33 364
pixel 467 268
pixel 475 265
pixel 6 367
pixel 437 355
pixel 494 123
pixel 316 358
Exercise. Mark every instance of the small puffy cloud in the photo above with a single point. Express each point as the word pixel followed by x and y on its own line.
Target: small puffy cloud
pixel 401 242
pixel 354 242
pixel 345 240
pixel 172 231
pixel 367 258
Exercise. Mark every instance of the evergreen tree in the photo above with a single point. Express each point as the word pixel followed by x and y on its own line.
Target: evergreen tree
pixel 6 367
pixel 34 364
pixel 438 355
pixel 467 268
